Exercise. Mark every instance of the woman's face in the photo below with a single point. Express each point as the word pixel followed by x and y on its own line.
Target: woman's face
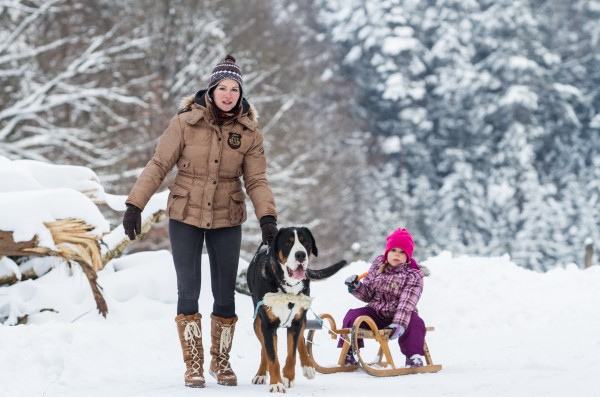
pixel 396 257
pixel 226 94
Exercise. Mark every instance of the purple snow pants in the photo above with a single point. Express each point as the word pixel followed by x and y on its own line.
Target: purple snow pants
pixel 411 342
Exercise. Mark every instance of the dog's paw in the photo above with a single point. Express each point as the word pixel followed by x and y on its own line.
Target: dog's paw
pixel 277 388
pixel 259 380
pixel 309 372
pixel 288 383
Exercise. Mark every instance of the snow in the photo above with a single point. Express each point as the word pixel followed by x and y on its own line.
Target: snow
pixel 26 218
pixel 521 95
pixel 34 193
pixel 500 330
pixel 397 45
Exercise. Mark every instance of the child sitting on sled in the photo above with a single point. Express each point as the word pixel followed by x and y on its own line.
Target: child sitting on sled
pixel 392 288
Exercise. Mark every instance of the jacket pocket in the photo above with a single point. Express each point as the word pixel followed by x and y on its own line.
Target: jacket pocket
pixel 237 208
pixel 183 164
pixel 178 202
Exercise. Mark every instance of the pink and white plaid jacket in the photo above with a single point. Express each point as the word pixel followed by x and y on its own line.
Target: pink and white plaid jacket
pixel 393 294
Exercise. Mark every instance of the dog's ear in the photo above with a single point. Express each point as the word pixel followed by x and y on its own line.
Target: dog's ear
pixel 313 243
pixel 274 245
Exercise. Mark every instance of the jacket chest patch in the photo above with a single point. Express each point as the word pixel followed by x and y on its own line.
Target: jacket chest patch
pixel 235 140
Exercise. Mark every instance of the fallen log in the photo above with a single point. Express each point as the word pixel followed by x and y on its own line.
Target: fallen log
pixel 73 242
pixel 118 248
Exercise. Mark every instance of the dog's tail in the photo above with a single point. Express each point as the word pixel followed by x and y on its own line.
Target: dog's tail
pixel 319 274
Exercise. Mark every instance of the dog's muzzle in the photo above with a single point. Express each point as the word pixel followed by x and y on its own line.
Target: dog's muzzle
pixel 299 272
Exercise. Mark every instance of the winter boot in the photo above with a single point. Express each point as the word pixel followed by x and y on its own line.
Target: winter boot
pixel 416 360
pixel 190 336
pixel 350 360
pixel 221 332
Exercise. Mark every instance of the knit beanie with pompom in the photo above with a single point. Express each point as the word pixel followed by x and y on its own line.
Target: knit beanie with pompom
pixel 226 69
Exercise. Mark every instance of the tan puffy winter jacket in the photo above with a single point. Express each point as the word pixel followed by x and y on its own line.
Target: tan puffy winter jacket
pixel 210 160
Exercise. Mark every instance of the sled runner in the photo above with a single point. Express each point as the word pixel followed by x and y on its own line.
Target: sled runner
pixel 383 365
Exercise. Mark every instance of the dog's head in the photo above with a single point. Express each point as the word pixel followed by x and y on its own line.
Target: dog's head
pixel 292 249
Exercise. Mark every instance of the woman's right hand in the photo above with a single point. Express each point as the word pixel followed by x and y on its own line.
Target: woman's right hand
pixel 132 221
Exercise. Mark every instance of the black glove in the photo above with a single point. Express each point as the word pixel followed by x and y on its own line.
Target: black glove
pixel 352 282
pixel 269 229
pixel 132 221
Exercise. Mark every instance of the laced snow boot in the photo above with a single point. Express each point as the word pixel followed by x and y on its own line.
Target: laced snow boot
pixel 190 336
pixel 221 332
pixel 416 360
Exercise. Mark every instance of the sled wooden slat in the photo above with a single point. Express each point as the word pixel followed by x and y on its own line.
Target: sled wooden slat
pixel 369 334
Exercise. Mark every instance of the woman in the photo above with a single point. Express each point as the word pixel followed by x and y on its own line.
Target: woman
pixel 214 140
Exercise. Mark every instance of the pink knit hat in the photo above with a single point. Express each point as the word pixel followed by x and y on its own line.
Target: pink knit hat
pixel 402 239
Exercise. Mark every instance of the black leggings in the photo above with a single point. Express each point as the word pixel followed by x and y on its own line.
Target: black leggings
pixel 223 246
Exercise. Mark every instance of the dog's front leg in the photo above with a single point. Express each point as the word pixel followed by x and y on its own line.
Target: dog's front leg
pixel 269 331
pixel 261 375
pixel 289 370
pixel 267 335
pixel 276 384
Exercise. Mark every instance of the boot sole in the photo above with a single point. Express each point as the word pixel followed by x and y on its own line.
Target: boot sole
pixel 222 382
pixel 195 385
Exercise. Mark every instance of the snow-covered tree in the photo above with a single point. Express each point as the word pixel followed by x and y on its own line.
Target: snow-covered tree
pixel 68 84
pixel 491 120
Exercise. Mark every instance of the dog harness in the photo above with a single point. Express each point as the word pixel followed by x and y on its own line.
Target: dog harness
pixel 281 304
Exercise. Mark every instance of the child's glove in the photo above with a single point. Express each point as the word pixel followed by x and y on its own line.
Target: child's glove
pixel 397 332
pixel 352 282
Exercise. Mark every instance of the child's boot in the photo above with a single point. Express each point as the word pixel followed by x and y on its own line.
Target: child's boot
pixel 414 361
pixel 350 360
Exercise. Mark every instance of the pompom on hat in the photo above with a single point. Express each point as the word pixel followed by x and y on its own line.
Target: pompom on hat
pixel 226 69
pixel 402 239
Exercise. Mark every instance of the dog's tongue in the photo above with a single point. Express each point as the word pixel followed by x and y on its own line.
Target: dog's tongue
pixel 299 274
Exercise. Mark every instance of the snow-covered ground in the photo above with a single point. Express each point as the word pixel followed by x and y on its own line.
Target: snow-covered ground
pixel 500 330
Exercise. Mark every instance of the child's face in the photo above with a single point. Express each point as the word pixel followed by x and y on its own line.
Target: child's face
pixel 396 257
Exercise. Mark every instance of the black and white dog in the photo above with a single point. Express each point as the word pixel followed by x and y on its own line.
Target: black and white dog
pixel 279 281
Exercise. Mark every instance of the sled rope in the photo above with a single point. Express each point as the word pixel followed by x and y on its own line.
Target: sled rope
pixel 319 319
pixel 322 323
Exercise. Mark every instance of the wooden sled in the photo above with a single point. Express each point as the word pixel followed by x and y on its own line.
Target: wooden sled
pixel 383 364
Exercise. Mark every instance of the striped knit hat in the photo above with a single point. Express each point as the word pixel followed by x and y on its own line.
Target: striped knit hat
pixel 226 69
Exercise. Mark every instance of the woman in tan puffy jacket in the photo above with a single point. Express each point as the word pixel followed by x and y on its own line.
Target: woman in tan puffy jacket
pixel 215 142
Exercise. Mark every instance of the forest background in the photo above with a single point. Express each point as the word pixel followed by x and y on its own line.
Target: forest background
pixel 473 123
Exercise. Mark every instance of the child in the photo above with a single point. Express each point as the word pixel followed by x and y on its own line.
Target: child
pixel 392 289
